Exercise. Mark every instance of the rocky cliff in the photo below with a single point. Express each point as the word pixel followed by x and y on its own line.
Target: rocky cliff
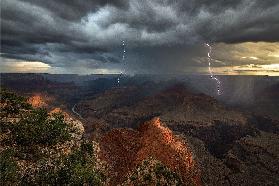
pixel 125 149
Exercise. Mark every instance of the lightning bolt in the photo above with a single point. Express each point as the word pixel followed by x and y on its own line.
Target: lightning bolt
pixel 124 50
pixel 123 61
pixel 212 76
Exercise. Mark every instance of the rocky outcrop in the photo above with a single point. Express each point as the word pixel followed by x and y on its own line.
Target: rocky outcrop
pixel 125 149
pixel 38 100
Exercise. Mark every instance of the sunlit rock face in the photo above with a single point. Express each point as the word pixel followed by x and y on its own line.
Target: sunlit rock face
pixel 125 149
pixel 37 100
pixel 41 100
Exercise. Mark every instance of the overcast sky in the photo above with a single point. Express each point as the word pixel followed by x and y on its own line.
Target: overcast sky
pixel 161 36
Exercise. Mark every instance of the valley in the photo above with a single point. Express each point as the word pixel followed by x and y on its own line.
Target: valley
pixel 142 125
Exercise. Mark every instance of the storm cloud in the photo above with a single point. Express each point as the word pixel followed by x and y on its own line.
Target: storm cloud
pixel 161 35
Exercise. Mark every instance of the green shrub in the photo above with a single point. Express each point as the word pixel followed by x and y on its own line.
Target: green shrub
pixel 162 171
pixel 147 177
pixel 39 128
pixel 12 104
pixel 33 129
pixel 149 173
pixel 8 167
pixel 35 126
pixel 77 169
pixel 133 177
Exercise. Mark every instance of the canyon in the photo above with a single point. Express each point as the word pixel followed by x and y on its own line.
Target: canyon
pixel 164 132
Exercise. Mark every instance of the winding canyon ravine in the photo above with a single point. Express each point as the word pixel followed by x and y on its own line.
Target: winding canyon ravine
pixel 75 112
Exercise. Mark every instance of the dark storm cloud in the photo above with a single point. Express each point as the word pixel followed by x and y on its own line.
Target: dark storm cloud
pixel 162 32
pixel 75 9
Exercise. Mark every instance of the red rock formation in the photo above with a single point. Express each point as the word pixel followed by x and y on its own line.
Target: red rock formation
pixel 124 149
pixel 159 141
pixel 59 110
pixel 37 100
